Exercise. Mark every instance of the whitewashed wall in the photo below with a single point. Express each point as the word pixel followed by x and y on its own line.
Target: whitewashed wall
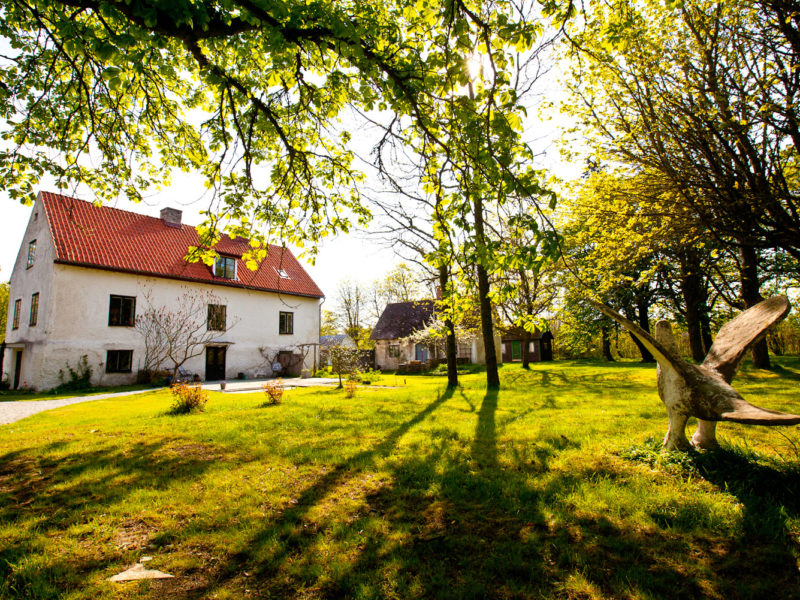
pixel 24 283
pixel 384 361
pixel 78 324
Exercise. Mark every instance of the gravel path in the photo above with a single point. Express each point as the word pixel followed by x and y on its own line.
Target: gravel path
pixel 16 410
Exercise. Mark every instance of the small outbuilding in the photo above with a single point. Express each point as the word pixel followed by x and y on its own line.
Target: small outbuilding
pixel 540 347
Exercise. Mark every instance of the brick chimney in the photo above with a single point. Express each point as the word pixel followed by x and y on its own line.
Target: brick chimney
pixel 171 216
pixel 438 292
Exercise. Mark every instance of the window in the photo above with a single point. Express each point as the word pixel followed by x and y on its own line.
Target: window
pixel 119 361
pixel 17 310
pixel 286 323
pixel 34 310
pixel 464 350
pixel 31 254
pixel 282 273
pixel 394 350
pixel 121 311
pixel 225 266
pixel 216 317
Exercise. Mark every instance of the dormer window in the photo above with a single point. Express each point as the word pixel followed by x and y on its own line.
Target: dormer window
pixel 282 273
pixel 225 266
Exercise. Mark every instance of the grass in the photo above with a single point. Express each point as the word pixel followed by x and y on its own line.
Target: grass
pixel 550 488
pixel 26 395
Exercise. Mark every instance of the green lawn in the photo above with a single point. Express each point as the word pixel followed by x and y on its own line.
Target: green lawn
pixel 29 395
pixel 551 488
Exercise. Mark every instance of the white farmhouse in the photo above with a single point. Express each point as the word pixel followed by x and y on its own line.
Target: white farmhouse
pixel 85 272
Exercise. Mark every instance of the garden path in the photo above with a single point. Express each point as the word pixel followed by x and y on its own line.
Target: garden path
pixel 20 409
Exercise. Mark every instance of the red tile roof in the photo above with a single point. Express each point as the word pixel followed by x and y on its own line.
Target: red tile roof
pixel 109 238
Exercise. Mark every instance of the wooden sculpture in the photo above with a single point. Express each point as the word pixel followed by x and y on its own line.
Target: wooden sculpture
pixel 704 391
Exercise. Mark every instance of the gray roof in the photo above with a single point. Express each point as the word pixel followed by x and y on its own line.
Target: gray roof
pixel 401 319
pixel 339 339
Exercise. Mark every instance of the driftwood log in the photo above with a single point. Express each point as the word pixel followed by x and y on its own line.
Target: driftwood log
pixel 704 391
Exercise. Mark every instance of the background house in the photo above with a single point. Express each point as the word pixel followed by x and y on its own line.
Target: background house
pixel 84 273
pixel 399 320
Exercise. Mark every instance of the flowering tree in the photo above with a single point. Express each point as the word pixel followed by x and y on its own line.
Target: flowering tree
pixel 344 360
pixel 434 336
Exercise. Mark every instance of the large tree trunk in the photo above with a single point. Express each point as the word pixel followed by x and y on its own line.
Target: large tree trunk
pixel 526 335
pixel 492 376
pixel 451 350
pixel 526 344
pixel 487 328
pixel 640 315
pixel 751 295
pixel 695 297
pixel 606 339
pixel 705 330
pixel 643 313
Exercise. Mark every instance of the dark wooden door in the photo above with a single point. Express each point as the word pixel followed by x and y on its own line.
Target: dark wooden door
pixel 17 369
pixel 215 363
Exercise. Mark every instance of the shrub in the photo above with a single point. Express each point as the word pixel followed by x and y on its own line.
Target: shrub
pixel 441 369
pixel 187 398
pixel 273 390
pixel 350 388
pixel 79 377
pixel 368 377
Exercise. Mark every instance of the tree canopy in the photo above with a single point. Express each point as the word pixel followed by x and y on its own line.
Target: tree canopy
pixel 115 95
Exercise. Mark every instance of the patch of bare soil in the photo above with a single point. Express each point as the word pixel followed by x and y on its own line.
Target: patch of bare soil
pixel 133 534
pixel 190 450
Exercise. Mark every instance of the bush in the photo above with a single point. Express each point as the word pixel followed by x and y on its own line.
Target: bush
pixel 79 377
pixel 368 377
pixel 441 369
pixel 273 390
pixel 350 388
pixel 187 398
pixel 324 372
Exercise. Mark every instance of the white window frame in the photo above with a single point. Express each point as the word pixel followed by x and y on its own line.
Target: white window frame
pixel 221 258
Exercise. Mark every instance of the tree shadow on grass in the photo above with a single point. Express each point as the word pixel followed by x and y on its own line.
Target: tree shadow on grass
pixel 484 446
pixel 769 492
pixel 286 524
pixel 46 491
pixel 786 373
pixel 449 518
pixel 475 534
pixel 556 380
pixel 453 522
pixel 761 559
